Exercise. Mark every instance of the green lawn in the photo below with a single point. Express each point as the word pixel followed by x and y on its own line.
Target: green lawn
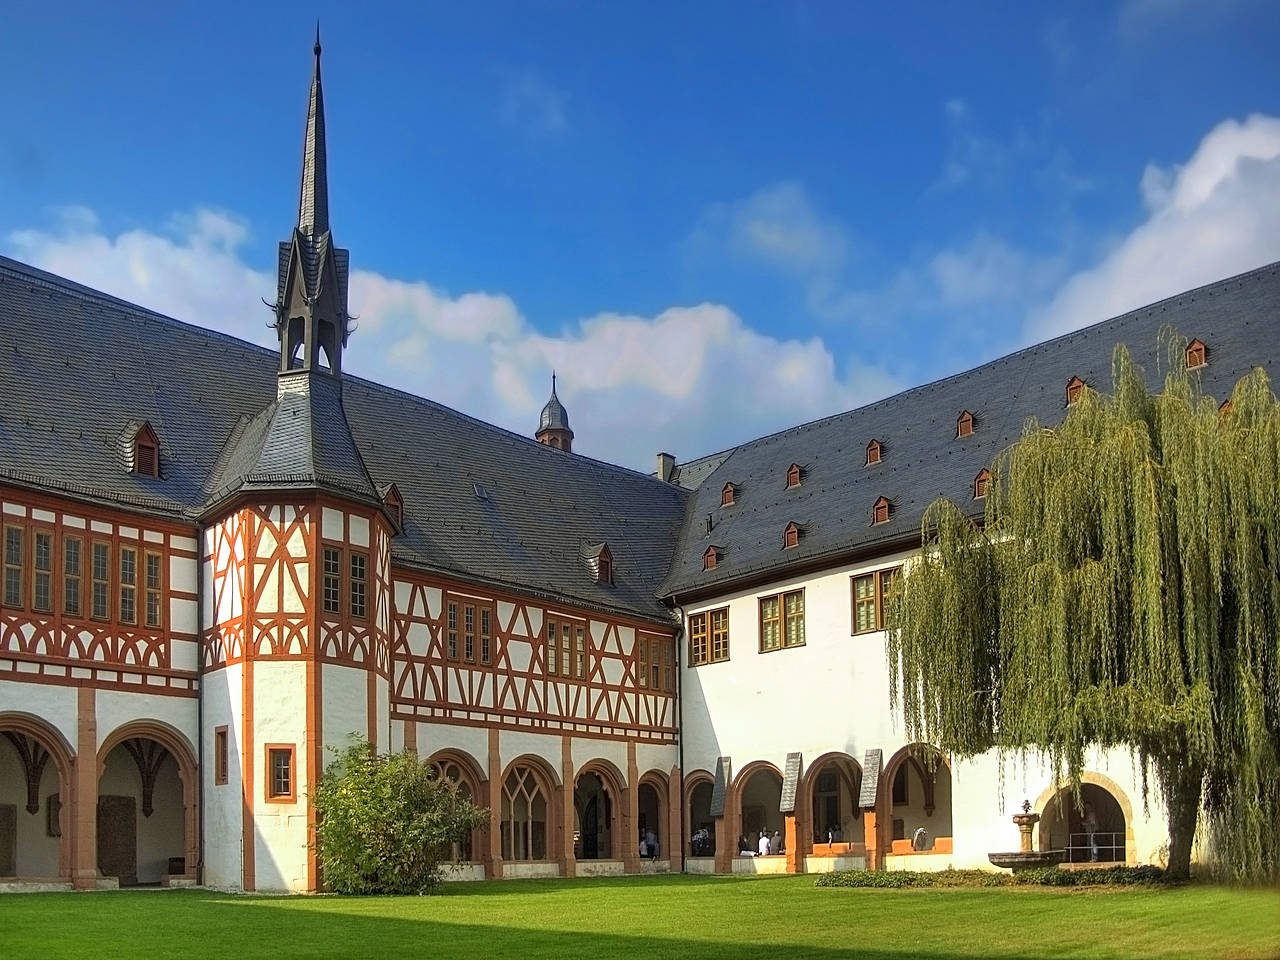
pixel 726 918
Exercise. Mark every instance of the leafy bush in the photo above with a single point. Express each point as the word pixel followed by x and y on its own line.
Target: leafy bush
pixel 385 823
pixel 1043 876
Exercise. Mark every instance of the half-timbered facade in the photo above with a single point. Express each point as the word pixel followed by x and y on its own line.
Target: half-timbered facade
pixel 220 562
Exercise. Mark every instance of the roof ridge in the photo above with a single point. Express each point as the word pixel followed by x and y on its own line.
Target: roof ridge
pixel 1021 351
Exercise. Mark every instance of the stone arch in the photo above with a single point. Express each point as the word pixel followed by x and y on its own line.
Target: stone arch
pixel 527 821
pixel 651 805
pixel 928 771
pixel 598 808
pixel 762 815
pixel 848 812
pixel 698 785
pixel 1094 779
pixel 50 738
pixel 472 782
pixel 179 748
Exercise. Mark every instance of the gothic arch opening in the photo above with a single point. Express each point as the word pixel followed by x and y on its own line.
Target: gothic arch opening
pixel 1095 831
pixel 652 815
pixel 831 799
pixel 596 808
pixel 35 799
pixel 918 779
pixel 701 825
pixel 460 770
pixel 526 811
pixel 759 796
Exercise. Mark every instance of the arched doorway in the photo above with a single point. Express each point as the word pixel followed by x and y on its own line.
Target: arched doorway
pixel 596 807
pixel 759 802
pixel 701 825
pixel 918 779
pixel 1096 831
pixel 35 799
pixel 460 770
pixel 146 805
pixel 526 812
pixel 831 794
pixel 651 812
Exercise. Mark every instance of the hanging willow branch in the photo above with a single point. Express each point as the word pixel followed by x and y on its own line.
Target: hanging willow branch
pixel 1122 589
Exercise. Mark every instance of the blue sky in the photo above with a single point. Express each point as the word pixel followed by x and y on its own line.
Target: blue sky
pixel 716 219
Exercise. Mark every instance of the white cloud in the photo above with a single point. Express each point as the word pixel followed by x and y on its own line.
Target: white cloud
pixel 532 106
pixel 1214 216
pixel 691 379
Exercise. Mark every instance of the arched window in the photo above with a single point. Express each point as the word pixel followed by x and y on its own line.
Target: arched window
pixel 524 815
pixel 964 424
pixel 1075 386
pixel 453 772
pixel 873 452
pixel 1197 354
pixel 980 483
pixel 880 512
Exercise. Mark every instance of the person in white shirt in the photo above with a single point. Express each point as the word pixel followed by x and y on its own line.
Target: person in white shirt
pixel 764 844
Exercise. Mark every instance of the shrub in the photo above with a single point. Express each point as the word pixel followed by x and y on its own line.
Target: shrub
pixel 1043 876
pixel 385 823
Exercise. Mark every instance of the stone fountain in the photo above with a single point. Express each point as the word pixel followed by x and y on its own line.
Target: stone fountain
pixel 1026 858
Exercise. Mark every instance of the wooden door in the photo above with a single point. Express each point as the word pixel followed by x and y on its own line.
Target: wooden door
pixel 8 840
pixel 118 839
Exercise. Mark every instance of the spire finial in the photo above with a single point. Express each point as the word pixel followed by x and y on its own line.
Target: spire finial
pixel 313 204
pixel 553 383
pixel 316 48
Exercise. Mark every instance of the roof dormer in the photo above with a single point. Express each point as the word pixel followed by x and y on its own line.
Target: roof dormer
pixel 874 452
pixel 728 495
pixel 600 562
pixel 144 451
pixel 394 504
pixel 711 557
pixel 1075 387
pixel 795 475
pixel 1197 354
pixel 965 424
pixel 791 535
pixel 980 483
pixel 880 511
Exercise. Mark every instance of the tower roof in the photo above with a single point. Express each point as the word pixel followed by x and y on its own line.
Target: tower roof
pixel 313 202
pixel 554 415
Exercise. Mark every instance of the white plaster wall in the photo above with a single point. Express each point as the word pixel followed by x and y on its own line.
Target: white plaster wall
pixel 344 700
pixel 512 744
pixel 584 750
pixel 159 836
pixel 55 705
pixel 660 757
pixel 469 740
pixel 279 716
pixel 115 709
pixel 223 803
pixel 37 852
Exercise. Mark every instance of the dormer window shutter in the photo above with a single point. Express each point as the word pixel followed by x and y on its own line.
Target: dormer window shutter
pixel 146 452
pixel 1197 354
pixel 791 536
pixel 794 475
pixel 1075 386
pixel 873 452
pixel 964 424
pixel 980 483
pixel 880 511
pixel 710 557
pixel 605 567
pixel 727 495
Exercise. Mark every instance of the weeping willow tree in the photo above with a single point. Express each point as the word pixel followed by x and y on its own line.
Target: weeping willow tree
pixel 1122 589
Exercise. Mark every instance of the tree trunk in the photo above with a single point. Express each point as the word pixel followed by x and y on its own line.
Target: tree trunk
pixel 1182 783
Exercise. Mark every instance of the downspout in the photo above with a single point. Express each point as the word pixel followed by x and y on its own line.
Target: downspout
pixel 684 829
pixel 200 696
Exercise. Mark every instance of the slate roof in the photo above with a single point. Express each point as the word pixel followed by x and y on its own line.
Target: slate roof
pixel 1238 319
pixel 77 366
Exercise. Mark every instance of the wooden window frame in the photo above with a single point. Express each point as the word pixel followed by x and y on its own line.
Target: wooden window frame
pixel 221 755
pixel 552 634
pixel 451 629
pixel 270 794
pixel 581 652
pixel 18 569
pixel 699 638
pixel 881 581
pixel 1197 354
pixel 795 476
pixel 783 618
pixel 642 661
pixel 358 586
pixel 1075 387
pixel 966 423
pixel 73 583
pixel 484 615
pixel 728 495
pixel 127 588
pixel 791 536
pixel 331 580
pixel 469 632
pixel 668 664
pixel 874 453
pixel 980 484
pixel 47 572
pixel 718 637
pixel 881 511
pixel 149 591
pixel 95 581
pixel 566 649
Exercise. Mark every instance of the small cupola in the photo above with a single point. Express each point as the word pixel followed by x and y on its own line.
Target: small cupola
pixel 553 423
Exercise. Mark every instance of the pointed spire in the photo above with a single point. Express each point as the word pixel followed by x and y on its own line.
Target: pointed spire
pixel 313 204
